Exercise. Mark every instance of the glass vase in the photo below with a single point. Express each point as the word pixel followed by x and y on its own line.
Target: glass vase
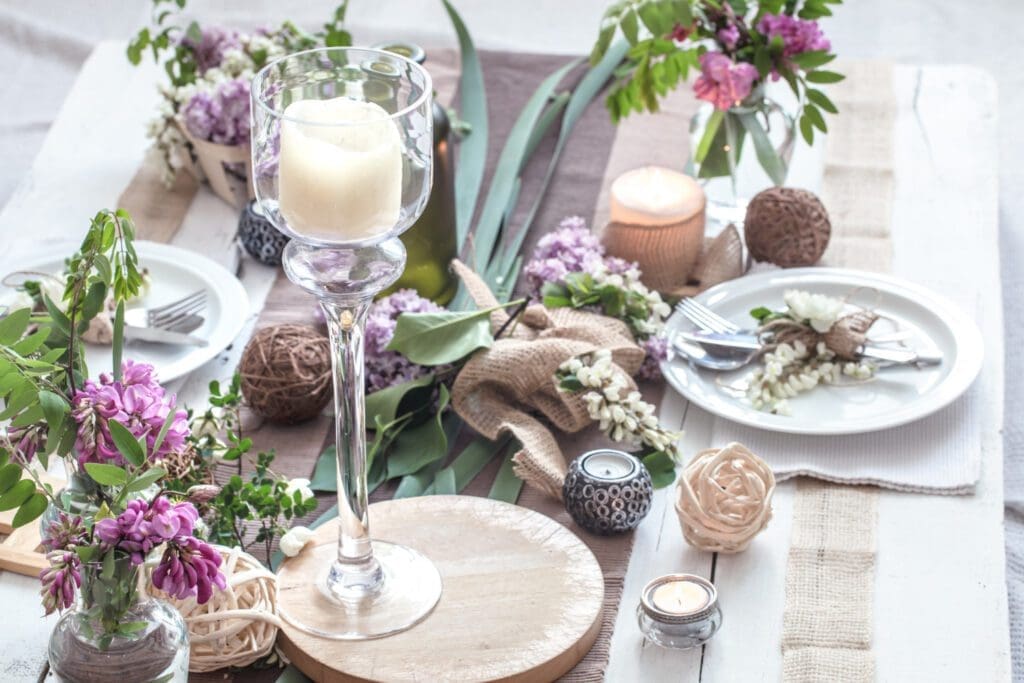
pixel 81 498
pixel 115 632
pixel 739 152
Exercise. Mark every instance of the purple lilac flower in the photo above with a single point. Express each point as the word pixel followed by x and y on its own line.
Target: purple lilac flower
pixel 729 36
pixel 64 533
pixel 723 82
pixel 221 116
pixel 571 248
pixel 60 580
pixel 385 368
pixel 27 440
pixel 798 35
pixel 138 402
pixel 144 526
pixel 189 568
pixel 656 349
pixel 209 52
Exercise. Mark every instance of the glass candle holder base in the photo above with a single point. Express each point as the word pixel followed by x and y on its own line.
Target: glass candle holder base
pixel 309 599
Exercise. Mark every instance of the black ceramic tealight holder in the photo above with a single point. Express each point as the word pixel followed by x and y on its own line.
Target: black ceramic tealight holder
pixel 607 491
pixel 259 237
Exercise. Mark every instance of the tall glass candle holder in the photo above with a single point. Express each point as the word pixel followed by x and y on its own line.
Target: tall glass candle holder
pixel 342 145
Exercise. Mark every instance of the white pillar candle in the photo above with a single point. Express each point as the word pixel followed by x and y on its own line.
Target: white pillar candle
pixel 339 183
pixel 653 196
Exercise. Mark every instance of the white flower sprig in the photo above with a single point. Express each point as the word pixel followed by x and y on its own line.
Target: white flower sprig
pixel 789 370
pixel 621 414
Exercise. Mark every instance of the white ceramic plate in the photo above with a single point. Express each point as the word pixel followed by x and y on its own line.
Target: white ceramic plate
pixel 895 397
pixel 176 273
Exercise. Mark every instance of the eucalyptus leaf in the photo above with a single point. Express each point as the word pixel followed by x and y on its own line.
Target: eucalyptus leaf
pixel 769 159
pixel 442 337
pixel 30 510
pixel 126 443
pixel 472 153
pixel 419 446
pixel 385 405
pixel 105 474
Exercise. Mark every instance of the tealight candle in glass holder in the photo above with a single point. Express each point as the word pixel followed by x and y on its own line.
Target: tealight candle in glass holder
pixel 679 611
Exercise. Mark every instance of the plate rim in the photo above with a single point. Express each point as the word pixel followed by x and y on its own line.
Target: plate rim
pixel 970 353
pixel 214 277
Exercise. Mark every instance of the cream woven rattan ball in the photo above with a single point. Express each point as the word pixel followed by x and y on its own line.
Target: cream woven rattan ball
pixel 787 226
pixel 239 624
pixel 724 498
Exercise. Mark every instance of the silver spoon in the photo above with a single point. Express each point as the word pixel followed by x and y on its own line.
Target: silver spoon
pixel 701 358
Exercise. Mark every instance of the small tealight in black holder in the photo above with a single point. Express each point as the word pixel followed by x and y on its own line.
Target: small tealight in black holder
pixel 607 491
pixel 259 237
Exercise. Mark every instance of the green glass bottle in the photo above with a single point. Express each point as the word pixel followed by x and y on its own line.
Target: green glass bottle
pixel 431 241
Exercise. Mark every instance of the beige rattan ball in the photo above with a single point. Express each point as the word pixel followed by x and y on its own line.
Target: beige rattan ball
pixel 787 226
pixel 239 624
pixel 724 498
pixel 286 373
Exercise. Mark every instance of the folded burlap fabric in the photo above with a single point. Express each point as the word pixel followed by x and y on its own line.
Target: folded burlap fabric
pixel 510 386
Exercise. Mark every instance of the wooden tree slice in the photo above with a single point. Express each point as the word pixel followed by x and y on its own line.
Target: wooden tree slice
pixel 521 599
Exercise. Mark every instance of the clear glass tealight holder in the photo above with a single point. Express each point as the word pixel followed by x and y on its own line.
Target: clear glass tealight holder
pixel 679 611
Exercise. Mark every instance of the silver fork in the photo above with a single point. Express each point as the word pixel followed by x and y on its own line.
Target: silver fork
pixel 704 318
pixel 170 315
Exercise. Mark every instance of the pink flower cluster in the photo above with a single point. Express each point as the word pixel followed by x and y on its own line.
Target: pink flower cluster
pixel 189 567
pixel 222 116
pixel 60 580
pixel 571 248
pixel 722 82
pixel 798 35
pixel 138 402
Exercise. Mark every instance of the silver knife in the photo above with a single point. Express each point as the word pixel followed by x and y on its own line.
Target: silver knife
pixel 750 342
pixel 159 336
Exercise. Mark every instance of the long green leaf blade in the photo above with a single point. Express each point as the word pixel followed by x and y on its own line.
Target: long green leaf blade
pixel 770 160
pixel 472 154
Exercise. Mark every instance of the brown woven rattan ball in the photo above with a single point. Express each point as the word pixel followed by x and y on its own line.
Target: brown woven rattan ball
pixel 286 373
pixel 787 227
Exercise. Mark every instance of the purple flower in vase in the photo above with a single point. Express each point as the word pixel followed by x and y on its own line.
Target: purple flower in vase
pixel 60 580
pixel 729 36
pixel 209 51
pixel 143 526
pixel 798 35
pixel 138 402
pixel 220 116
pixel 64 532
pixel 723 82
pixel 189 568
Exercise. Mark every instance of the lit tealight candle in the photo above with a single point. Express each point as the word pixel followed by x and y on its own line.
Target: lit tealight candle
pixel 340 176
pixel 656 218
pixel 679 610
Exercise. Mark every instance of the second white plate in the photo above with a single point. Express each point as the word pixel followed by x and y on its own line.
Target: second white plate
pixel 895 397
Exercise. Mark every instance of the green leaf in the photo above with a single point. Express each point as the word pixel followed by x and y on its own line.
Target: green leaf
pixel 17 494
pixel 145 480
pixel 812 60
pixel 291 674
pixel 769 159
pixel 9 476
pixel 815 117
pixel 54 408
pixel 710 131
pixel 444 483
pixel 386 405
pixel 820 99
pixel 661 467
pixel 472 152
pixel 823 77
pixel 488 226
pixel 325 475
pixel 106 474
pixel 416 484
pixel 162 434
pixel 760 313
pixel 807 130
pixel 507 485
pixel 108 566
pixel 31 509
pixel 418 446
pixel 443 337
pixel 57 315
pixel 31 343
pixel 126 443
pixel 13 326
pixel 470 462
pixel 117 346
pixel 630 27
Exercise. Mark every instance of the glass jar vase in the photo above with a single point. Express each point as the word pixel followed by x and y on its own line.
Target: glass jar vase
pixel 738 152
pixel 116 632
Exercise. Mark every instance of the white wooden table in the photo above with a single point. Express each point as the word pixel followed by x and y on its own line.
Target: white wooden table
pixel 940 595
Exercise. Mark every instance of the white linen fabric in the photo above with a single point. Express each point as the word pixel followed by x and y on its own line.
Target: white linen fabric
pixel 43 43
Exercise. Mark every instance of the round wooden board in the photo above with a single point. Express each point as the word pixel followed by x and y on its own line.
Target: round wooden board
pixel 521 598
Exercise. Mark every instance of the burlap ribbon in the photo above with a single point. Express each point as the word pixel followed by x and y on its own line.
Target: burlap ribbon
pixel 505 388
